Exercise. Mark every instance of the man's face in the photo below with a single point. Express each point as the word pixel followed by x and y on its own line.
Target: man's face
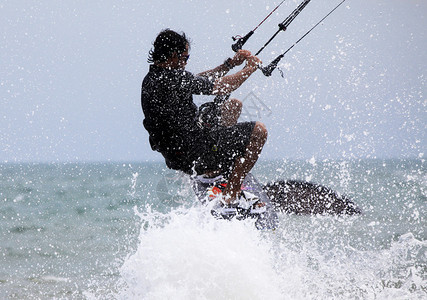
pixel 183 58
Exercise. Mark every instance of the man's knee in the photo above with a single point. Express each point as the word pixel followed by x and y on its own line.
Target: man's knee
pixel 260 132
pixel 230 112
pixel 235 104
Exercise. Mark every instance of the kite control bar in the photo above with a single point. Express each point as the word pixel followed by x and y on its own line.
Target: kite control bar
pixel 268 70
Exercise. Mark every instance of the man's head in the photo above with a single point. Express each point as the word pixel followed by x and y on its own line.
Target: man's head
pixel 169 46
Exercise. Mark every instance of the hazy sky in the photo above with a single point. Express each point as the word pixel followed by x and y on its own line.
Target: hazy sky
pixel 71 71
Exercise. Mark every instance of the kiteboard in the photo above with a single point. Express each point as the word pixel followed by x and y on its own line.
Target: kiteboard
pixel 287 197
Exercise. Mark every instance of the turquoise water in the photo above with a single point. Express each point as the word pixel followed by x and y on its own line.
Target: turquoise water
pixel 135 231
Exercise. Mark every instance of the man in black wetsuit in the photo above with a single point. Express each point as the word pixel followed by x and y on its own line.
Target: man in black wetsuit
pixel 172 119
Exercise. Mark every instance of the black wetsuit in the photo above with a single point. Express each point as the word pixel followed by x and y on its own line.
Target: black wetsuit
pixel 171 119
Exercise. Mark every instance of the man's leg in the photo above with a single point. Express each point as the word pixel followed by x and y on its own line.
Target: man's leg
pixel 243 165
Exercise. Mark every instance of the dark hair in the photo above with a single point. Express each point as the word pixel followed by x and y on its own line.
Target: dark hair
pixel 167 42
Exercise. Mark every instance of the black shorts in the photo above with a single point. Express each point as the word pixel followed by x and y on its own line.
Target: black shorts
pixel 222 145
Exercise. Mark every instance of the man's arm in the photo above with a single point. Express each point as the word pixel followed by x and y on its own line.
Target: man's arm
pixel 227 84
pixel 217 72
pixel 230 63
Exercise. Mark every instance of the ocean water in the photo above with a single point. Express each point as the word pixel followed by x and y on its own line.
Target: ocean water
pixel 135 231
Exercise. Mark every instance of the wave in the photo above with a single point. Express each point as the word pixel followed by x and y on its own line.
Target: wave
pixel 187 254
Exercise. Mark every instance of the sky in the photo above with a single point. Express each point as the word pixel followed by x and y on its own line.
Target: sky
pixel 71 72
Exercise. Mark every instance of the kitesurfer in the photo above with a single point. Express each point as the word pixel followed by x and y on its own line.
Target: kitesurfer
pixel 172 118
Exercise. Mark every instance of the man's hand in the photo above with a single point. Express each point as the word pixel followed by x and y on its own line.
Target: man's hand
pixel 240 57
pixel 253 62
